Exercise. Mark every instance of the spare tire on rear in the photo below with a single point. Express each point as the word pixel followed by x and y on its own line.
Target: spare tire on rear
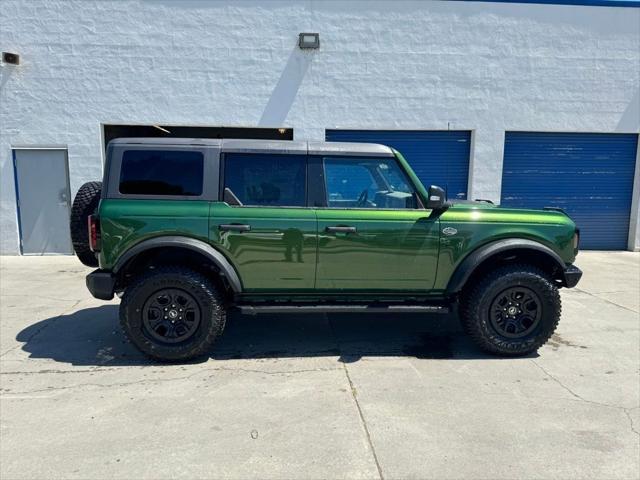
pixel 85 204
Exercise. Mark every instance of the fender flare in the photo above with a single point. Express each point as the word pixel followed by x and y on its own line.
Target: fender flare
pixel 464 270
pixel 192 244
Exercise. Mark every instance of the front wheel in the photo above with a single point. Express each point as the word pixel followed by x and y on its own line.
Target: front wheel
pixel 512 311
pixel 172 314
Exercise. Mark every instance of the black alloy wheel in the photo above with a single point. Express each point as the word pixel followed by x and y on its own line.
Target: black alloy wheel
pixel 515 312
pixel 171 315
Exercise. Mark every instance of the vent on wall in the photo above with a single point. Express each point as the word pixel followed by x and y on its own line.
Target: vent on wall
pixel 10 58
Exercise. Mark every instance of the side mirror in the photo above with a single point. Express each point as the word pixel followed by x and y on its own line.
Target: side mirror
pixel 437 198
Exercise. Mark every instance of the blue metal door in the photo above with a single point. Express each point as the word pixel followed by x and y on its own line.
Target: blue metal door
pixel 589 175
pixel 437 157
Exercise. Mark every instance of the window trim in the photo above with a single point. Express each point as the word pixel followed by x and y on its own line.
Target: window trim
pixel 209 172
pixel 222 178
pixel 325 203
pixel 149 160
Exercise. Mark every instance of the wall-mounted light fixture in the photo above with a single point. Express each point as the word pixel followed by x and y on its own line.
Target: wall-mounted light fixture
pixel 10 58
pixel 309 40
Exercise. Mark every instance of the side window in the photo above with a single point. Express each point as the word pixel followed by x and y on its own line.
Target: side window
pixel 346 181
pixel 161 172
pixel 270 180
pixel 360 182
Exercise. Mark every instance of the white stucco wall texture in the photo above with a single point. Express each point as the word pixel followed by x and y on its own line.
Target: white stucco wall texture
pixel 485 67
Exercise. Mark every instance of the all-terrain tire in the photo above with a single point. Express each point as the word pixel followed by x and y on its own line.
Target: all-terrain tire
pixel 478 303
pixel 84 204
pixel 149 287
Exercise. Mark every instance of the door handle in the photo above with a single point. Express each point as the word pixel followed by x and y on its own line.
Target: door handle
pixel 234 227
pixel 341 229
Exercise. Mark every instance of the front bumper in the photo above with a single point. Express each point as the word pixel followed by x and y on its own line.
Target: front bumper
pixel 572 275
pixel 101 284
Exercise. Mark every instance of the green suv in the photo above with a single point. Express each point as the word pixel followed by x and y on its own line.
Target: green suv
pixel 185 229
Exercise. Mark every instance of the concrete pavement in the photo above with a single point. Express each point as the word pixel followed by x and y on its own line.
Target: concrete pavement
pixel 337 396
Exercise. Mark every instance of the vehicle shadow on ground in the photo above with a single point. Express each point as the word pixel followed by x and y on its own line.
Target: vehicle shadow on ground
pixel 93 336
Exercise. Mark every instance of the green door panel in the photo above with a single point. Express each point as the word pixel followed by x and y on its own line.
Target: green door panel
pixel 124 223
pixel 391 250
pixel 278 253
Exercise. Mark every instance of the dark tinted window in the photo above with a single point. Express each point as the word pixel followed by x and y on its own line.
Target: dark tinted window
pixel 360 182
pixel 161 172
pixel 268 180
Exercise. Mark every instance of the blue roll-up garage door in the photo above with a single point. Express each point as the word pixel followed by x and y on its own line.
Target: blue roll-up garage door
pixel 437 157
pixel 590 175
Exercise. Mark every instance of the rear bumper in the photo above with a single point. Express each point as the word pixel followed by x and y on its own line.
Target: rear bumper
pixel 572 276
pixel 100 284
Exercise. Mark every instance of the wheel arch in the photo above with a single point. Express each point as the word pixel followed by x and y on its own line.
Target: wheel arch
pixel 154 246
pixel 491 255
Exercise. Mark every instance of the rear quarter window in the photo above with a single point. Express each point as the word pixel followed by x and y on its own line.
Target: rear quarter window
pixel 161 172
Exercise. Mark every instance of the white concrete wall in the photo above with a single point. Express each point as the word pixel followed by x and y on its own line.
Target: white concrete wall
pixel 487 67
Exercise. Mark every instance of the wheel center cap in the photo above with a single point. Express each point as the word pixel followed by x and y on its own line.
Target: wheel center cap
pixel 173 314
pixel 512 310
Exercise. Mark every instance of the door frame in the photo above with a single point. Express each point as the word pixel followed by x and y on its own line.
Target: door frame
pixel 17 190
pixel 308 211
pixel 318 168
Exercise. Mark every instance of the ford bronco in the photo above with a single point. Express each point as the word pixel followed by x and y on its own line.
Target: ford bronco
pixel 186 229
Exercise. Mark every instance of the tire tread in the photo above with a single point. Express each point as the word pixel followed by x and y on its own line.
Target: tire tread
pixel 199 285
pixel 470 312
pixel 84 204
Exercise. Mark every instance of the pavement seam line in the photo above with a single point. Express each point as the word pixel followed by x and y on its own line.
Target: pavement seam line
pixel 605 300
pixel 354 396
pixel 113 369
pixel 162 380
pixel 363 421
pixel 57 299
pixel 625 410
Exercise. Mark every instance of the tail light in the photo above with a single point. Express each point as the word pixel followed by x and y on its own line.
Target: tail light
pixel 93 225
pixel 576 240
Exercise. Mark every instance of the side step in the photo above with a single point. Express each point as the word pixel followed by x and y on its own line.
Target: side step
pixel 344 308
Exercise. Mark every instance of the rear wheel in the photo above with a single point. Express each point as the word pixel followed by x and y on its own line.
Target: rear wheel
pixel 84 204
pixel 511 311
pixel 172 314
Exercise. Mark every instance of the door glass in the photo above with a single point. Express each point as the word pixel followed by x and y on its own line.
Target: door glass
pixel 359 182
pixel 266 180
